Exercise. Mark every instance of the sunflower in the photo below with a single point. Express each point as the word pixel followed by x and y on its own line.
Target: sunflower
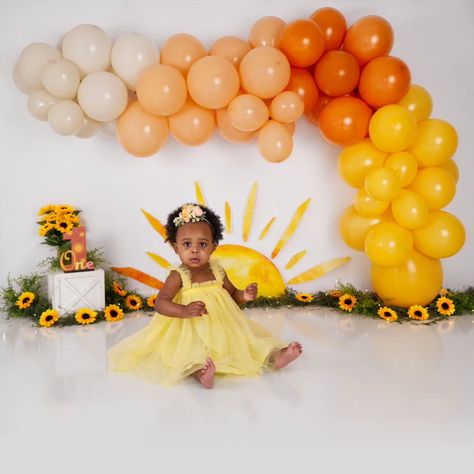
pixel 85 316
pixel 45 228
pixel 64 208
pixel 347 302
pixel 113 313
pixel 335 293
pixel 419 312
pixel 64 225
pixel 445 306
pixel 48 317
pixel 443 292
pixel 46 209
pixel 304 297
pixel 25 299
pixel 151 300
pixel 388 314
pixel 118 289
pixel 133 302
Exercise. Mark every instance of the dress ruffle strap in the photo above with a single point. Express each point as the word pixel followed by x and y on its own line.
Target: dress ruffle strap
pixel 185 275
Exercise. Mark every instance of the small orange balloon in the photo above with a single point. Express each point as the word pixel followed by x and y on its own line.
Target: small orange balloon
pixel 228 131
pixel 332 24
pixel 248 112
pixel 286 107
pixel 337 73
pixel 181 51
pixel 345 120
pixel 231 48
pixel 302 42
pixel 266 32
pixel 368 38
pixel 303 84
pixel 315 112
pixel 275 142
pixel 384 81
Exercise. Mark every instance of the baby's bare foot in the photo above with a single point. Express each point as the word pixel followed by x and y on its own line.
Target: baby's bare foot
pixel 288 355
pixel 206 374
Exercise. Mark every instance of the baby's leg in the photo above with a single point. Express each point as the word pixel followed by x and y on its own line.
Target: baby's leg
pixel 205 376
pixel 287 355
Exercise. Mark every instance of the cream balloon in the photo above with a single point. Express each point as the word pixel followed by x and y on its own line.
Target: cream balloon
pixel 39 103
pixel 248 112
pixel 287 107
pixel 61 79
pixel 89 127
pixel 88 47
pixel 231 48
pixel 275 142
pixel 33 59
pixel 131 54
pixel 20 82
pixel 181 51
pixel 228 131
pixel 103 96
pixel 266 32
pixel 65 117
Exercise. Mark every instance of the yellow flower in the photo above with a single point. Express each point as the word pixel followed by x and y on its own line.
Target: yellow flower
pixel 304 297
pixel 118 289
pixel 64 208
pixel 419 312
pixel 48 317
pixel 151 301
pixel 45 228
pixel 335 293
pixel 64 225
pixel 388 314
pixel 445 306
pixel 443 292
pixel 46 209
pixel 85 316
pixel 347 302
pixel 133 302
pixel 113 313
pixel 25 299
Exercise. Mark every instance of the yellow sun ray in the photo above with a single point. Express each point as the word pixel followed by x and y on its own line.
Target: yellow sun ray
pixel 267 228
pixel 295 259
pixel 319 270
pixel 292 226
pixel 228 218
pixel 140 276
pixel 199 195
pixel 159 260
pixel 249 211
pixel 155 223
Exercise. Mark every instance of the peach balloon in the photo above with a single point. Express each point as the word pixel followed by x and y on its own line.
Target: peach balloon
pixel 181 51
pixel 213 82
pixel 161 90
pixel 291 127
pixel 228 131
pixel 264 72
pixel 248 112
pixel 231 48
pixel 266 32
pixel 192 125
pixel 140 133
pixel 275 142
pixel 287 107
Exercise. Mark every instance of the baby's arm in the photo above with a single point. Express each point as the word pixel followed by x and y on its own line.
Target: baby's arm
pixel 240 296
pixel 164 301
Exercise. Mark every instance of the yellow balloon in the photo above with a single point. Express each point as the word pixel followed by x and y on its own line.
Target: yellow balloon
pixel 416 281
pixel 409 209
pixel 392 128
pixel 435 185
pixel 382 184
pixel 404 164
pixel 442 236
pixel 452 168
pixel 435 143
pixel 357 160
pixel 368 206
pixel 353 227
pixel 418 101
pixel 388 244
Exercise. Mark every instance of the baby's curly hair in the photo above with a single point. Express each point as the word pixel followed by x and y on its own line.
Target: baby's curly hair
pixel 212 218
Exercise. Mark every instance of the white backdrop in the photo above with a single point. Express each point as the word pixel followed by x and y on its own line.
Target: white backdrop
pixel 435 38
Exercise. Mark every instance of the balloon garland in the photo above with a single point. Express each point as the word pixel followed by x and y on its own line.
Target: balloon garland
pixel 344 81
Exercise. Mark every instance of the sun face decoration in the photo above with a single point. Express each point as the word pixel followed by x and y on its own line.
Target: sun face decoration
pixel 243 264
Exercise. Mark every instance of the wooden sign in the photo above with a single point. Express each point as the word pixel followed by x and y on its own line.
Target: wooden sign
pixel 75 260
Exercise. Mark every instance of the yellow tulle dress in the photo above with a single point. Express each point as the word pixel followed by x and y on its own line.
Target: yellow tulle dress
pixel 170 349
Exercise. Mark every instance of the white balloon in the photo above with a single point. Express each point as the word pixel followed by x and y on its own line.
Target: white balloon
pixel 61 79
pixel 20 82
pixel 39 103
pixel 108 131
pixel 89 128
pixel 88 47
pixel 66 117
pixel 32 60
pixel 131 54
pixel 103 96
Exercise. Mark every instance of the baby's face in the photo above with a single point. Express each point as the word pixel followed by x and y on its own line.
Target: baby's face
pixel 194 244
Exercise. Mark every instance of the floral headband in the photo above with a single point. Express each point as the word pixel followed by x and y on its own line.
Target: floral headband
pixel 190 213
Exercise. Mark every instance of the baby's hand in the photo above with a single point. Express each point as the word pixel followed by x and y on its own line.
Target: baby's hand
pixel 194 309
pixel 250 293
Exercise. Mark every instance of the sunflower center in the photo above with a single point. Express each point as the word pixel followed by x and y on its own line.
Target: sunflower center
pixel 85 316
pixel 26 299
pixel 387 314
pixel 133 302
pixel 445 306
pixel 49 318
pixel 417 312
pixel 347 301
pixel 113 313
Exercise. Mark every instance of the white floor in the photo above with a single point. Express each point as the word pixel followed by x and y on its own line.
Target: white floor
pixel 366 397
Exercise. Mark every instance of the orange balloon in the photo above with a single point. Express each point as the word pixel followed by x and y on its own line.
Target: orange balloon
pixel 275 142
pixel 231 48
pixel 141 133
pixel 368 38
pixel 315 112
pixel 228 131
pixel 161 90
pixel 266 32
pixel 181 51
pixel 303 84
pixel 213 82
pixel 332 24
pixel 345 120
pixel 384 81
pixel 248 112
pixel 264 72
pixel 192 125
pixel 286 107
pixel 302 42
pixel 337 73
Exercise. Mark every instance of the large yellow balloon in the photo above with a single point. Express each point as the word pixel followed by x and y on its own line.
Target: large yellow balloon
pixel 404 164
pixel 357 160
pixel 368 206
pixel 392 128
pixel 435 143
pixel 452 168
pixel 435 185
pixel 388 244
pixel 409 209
pixel 382 183
pixel 442 236
pixel 418 101
pixel 416 281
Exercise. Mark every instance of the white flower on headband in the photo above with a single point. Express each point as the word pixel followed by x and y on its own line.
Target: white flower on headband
pixel 189 213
